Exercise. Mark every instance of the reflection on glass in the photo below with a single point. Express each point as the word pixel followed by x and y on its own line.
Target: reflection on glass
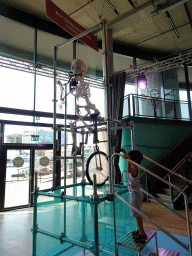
pixel 44 168
pixel 44 94
pixel 18 86
pixel 28 134
pixel 17 179
pixel 15 35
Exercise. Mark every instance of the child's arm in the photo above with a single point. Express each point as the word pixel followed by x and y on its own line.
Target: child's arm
pixel 131 168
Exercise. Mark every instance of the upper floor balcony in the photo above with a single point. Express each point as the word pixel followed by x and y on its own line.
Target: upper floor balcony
pixel 154 107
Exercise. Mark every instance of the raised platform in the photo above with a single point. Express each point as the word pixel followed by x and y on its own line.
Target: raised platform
pixel 164 252
pixel 127 240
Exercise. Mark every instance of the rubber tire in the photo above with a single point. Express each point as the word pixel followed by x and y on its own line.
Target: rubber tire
pixel 90 159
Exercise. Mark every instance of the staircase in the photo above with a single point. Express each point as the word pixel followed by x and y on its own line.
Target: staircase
pixel 166 194
pixel 127 239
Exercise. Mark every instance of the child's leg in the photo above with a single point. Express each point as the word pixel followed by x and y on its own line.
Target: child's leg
pixel 140 225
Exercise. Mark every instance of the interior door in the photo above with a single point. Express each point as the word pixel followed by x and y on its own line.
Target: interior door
pixel 17 178
pixel 44 168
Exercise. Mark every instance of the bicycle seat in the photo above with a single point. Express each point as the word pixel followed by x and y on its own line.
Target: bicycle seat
pixel 95 115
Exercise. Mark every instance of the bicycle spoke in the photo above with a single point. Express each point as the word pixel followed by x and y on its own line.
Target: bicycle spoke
pixel 97 164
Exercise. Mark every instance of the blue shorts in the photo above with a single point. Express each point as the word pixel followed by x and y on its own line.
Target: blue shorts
pixel 136 199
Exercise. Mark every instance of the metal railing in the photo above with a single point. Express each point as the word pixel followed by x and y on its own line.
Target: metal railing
pixel 171 185
pixel 182 168
pixel 154 107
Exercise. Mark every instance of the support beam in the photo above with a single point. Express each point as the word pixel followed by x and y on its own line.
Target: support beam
pixel 50 27
pixel 167 6
pixel 188 13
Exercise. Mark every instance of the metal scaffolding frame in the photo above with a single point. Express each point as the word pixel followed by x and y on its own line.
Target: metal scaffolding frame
pixel 111 196
pixel 55 102
pixel 43 70
pixel 159 66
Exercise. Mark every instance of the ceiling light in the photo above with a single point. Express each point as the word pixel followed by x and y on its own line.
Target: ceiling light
pixel 142 82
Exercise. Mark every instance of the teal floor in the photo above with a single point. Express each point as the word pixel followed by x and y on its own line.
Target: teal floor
pixel 75 221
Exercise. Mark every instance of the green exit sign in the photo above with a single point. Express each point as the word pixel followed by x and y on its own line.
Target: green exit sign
pixel 34 137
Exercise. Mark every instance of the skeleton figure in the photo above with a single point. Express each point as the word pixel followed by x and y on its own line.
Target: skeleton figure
pixel 79 69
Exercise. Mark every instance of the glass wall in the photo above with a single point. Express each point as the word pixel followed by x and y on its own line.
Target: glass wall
pixel 17 178
pixel 16 40
pixel 28 134
pixel 44 94
pixel 18 89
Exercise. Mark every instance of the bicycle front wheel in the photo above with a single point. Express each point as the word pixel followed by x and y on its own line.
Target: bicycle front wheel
pixel 97 164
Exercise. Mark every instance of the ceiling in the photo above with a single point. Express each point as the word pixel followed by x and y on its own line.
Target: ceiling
pixel 155 26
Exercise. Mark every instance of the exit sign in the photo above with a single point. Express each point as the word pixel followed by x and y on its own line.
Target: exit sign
pixel 34 137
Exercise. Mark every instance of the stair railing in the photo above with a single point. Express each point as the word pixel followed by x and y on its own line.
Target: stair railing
pixel 173 172
pixel 178 165
pixel 145 216
pixel 167 169
pixel 175 169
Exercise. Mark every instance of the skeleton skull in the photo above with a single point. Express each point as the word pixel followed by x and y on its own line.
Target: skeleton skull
pixel 79 67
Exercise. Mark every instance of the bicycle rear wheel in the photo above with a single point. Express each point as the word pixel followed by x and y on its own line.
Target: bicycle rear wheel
pixel 97 164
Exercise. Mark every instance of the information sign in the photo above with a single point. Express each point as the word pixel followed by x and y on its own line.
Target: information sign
pixel 68 24
pixel 34 137
pixel 18 161
pixel 44 161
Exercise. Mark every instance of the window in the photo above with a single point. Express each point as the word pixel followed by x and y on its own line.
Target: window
pixel 17 89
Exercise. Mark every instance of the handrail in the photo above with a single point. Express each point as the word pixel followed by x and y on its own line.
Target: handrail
pixel 151 221
pixel 168 183
pixel 152 97
pixel 132 110
pixel 167 169
pixel 174 168
pixel 159 201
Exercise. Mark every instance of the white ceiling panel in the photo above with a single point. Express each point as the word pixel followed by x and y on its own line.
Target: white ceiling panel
pixel 133 26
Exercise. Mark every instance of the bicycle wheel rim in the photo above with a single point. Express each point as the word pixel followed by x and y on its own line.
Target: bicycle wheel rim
pixel 93 167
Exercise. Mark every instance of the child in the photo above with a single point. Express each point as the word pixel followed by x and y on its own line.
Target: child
pixel 135 194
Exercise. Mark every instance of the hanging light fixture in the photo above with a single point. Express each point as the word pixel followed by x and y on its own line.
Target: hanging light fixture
pixel 142 82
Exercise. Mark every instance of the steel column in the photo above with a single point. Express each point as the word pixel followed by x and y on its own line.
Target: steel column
pixel 54 117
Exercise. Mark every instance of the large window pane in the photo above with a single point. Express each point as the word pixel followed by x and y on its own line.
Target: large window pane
pixel 28 134
pixel 44 94
pixel 17 89
pixel 16 39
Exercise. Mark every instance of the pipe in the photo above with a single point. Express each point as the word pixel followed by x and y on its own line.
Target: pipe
pixel 107 97
pixel 54 117
pixel 79 35
pixel 172 24
pixel 150 220
pixel 81 7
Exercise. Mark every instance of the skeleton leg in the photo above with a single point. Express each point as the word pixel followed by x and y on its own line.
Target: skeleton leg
pixel 90 129
pixel 75 150
pixel 90 105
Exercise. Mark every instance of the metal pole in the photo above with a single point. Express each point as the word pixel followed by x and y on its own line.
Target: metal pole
pixel 83 153
pixel 65 163
pixel 75 135
pixel 132 134
pixel 107 97
pixel 65 142
pixel 54 117
pixel 34 229
pixel 79 35
pixel 115 230
pixel 96 224
pixel 35 74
